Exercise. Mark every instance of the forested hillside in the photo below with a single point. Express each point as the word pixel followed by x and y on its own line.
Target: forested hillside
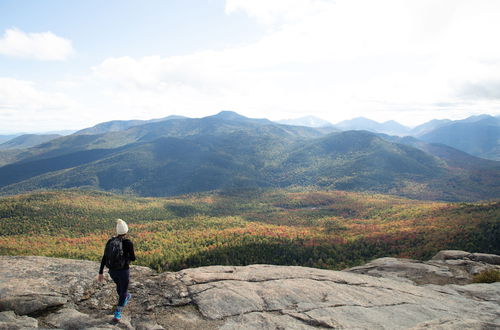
pixel 183 155
pixel 323 229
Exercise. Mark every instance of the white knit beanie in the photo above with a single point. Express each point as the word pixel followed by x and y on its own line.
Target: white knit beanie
pixel 121 227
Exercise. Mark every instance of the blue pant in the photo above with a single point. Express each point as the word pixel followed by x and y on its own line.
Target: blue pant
pixel 121 277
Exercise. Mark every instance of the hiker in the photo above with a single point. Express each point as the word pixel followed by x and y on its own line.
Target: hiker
pixel 118 254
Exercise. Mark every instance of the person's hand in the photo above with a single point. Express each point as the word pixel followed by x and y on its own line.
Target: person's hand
pixel 100 278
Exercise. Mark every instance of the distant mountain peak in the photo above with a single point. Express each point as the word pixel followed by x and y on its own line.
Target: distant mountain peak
pixel 234 116
pixel 120 125
pixel 476 135
pixel 362 119
pixel 478 118
pixel 361 123
pixel 308 121
pixel 230 115
pixel 27 141
pixel 429 126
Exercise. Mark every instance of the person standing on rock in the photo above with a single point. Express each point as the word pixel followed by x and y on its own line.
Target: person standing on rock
pixel 118 254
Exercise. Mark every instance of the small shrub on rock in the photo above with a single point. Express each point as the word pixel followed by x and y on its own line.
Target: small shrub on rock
pixel 487 276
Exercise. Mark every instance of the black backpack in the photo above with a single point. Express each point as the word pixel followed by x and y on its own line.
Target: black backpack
pixel 115 258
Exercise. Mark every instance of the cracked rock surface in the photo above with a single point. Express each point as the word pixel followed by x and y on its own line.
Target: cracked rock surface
pixel 60 293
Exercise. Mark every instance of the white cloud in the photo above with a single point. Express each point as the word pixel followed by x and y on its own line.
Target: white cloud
pixel 16 94
pixel 44 46
pixel 26 108
pixel 481 90
pixel 411 61
pixel 387 59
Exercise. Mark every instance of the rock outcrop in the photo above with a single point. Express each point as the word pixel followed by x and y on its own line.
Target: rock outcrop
pixel 446 267
pixel 60 293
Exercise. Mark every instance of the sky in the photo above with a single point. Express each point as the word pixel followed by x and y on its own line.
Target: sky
pixel 67 65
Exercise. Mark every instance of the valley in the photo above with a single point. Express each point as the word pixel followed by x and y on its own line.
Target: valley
pixel 232 190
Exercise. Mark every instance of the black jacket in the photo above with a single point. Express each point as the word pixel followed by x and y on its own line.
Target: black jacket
pixel 128 252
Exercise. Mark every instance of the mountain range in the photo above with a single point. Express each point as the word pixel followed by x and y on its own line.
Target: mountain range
pixel 120 125
pixel 5 138
pixel 389 127
pixel 27 141
pixel 178 155
pixel 476 135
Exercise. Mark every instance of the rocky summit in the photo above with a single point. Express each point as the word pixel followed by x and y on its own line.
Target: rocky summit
pixel 388 293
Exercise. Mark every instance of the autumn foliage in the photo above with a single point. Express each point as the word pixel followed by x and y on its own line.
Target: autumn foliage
pixel 326 229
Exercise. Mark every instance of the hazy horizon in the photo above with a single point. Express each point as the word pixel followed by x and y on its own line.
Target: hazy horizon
pixel 71 65
pixel 63 131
